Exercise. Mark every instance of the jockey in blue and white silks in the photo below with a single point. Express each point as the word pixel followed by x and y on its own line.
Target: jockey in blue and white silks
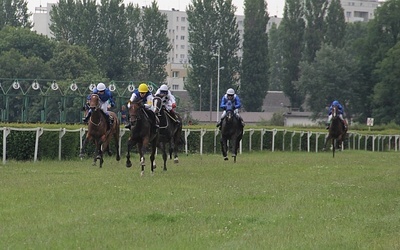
pixel 340 108
pixel 106 100
pixel 234 98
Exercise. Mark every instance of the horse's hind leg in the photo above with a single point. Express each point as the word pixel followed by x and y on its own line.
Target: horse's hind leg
pixel 128 155
pixel 82 153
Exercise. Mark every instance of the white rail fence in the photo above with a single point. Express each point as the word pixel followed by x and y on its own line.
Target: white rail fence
pixel 379 142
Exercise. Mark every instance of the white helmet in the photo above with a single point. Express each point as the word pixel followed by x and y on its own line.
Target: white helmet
pixel 230 92
pixel 164 87
pixel 101 86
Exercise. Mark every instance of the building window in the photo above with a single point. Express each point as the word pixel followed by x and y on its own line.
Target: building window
pixel 175 86
pixel 182 37
pixel 183 19
pixel 175 74
pixel 177 19
pixel 182 46
pixel 182 56
pixel 183 28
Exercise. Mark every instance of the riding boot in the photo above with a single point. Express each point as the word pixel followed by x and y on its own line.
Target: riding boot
pixel 327 125
pixel 86 119
pixel 128 126
pixel 174 116
pixel 241 120
pixel 219 123
pixel 109 122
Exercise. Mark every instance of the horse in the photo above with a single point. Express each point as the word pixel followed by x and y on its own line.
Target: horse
pixel 99 131
pixel 169 133
pixel 232 131
pixel 142 134
pixel 337 130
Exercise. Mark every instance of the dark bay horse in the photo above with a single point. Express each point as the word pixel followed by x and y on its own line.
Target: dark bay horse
pixel 337 131
pixel 232 131
pixel 169 133
pixel 99 131
pixel 142 134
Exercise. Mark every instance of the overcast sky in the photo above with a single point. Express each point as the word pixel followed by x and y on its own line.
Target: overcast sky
pixel 275 7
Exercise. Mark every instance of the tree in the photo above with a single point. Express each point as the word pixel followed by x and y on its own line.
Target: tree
pixel 14 13
pixel 71 62
pixel 291 30
pixel 213 31
pixel 255 55
pixel 328 78
pixel 335 24
pixel 112 46
pixel 155 43
pixel 135 65
pixel 387 90
pixel 275 58
pixel 314 14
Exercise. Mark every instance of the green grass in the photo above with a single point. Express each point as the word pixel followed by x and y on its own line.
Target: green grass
pixel 264 201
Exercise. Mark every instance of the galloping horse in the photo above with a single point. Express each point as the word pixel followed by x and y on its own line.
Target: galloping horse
pixel 170 131
pixel 99 132
pixel 337 130
pixel 142 134
pixel 232 131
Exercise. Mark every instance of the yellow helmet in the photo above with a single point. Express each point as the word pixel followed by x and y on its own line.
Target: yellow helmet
pixel 143 88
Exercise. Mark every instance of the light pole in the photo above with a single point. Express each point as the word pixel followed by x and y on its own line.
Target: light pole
pixel 219 67
pixel 200 97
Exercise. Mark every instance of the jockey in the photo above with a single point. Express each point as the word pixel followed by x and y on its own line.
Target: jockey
pixel 106 99
pixel 340 108
pixel 168 100
pixel 230 95
pixel 143 93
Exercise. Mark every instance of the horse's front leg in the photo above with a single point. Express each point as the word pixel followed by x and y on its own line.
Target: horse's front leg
pixel 82 153
pixel 142 150
pixel 128 154
pixel 224 148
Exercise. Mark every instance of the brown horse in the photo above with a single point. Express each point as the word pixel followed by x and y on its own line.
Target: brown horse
pixel 337 131
pixel 142 134
pixel 99 131
pixel 170 131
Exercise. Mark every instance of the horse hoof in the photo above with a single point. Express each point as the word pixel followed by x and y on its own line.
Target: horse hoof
pixel 98 157
pixel 94 164
pixel 142 173
pixel 128 164
pixel 176 160
pixel 226 158
pixel 118 158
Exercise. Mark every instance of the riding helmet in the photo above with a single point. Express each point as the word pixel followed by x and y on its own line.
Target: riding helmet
pixel 101 86
pixel 230 91
pixel 143 88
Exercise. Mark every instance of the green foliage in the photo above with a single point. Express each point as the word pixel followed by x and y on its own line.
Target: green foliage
pixel 14 13
pixel 255 64
pixel 291 30
pixel 335 24
pixel 327 78
pixel 213 31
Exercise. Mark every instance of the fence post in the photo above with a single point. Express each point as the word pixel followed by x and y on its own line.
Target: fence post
pixel 6 132
pixel 60 136
pixel 39 132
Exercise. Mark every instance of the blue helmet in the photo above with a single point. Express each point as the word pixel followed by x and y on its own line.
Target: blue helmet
pixel 335 103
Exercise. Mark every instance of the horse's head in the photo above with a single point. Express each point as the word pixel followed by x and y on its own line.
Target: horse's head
pixel 135 111
pixel 94 102
pixel 335 111
pixel 157 103
pixel 229 111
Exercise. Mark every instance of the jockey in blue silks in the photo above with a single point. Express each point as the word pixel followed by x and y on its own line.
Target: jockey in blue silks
pixel 340 108
pixel 230 96
pixel 106 100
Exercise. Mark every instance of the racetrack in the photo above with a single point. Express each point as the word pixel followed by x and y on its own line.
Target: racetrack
pixel 267 200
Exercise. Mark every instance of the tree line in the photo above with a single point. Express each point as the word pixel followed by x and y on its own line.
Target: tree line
pixel 314 56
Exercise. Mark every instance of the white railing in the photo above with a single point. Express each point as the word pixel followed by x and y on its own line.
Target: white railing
pixel 354 139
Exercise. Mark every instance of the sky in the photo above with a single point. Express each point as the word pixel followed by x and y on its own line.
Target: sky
pixel 275 7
